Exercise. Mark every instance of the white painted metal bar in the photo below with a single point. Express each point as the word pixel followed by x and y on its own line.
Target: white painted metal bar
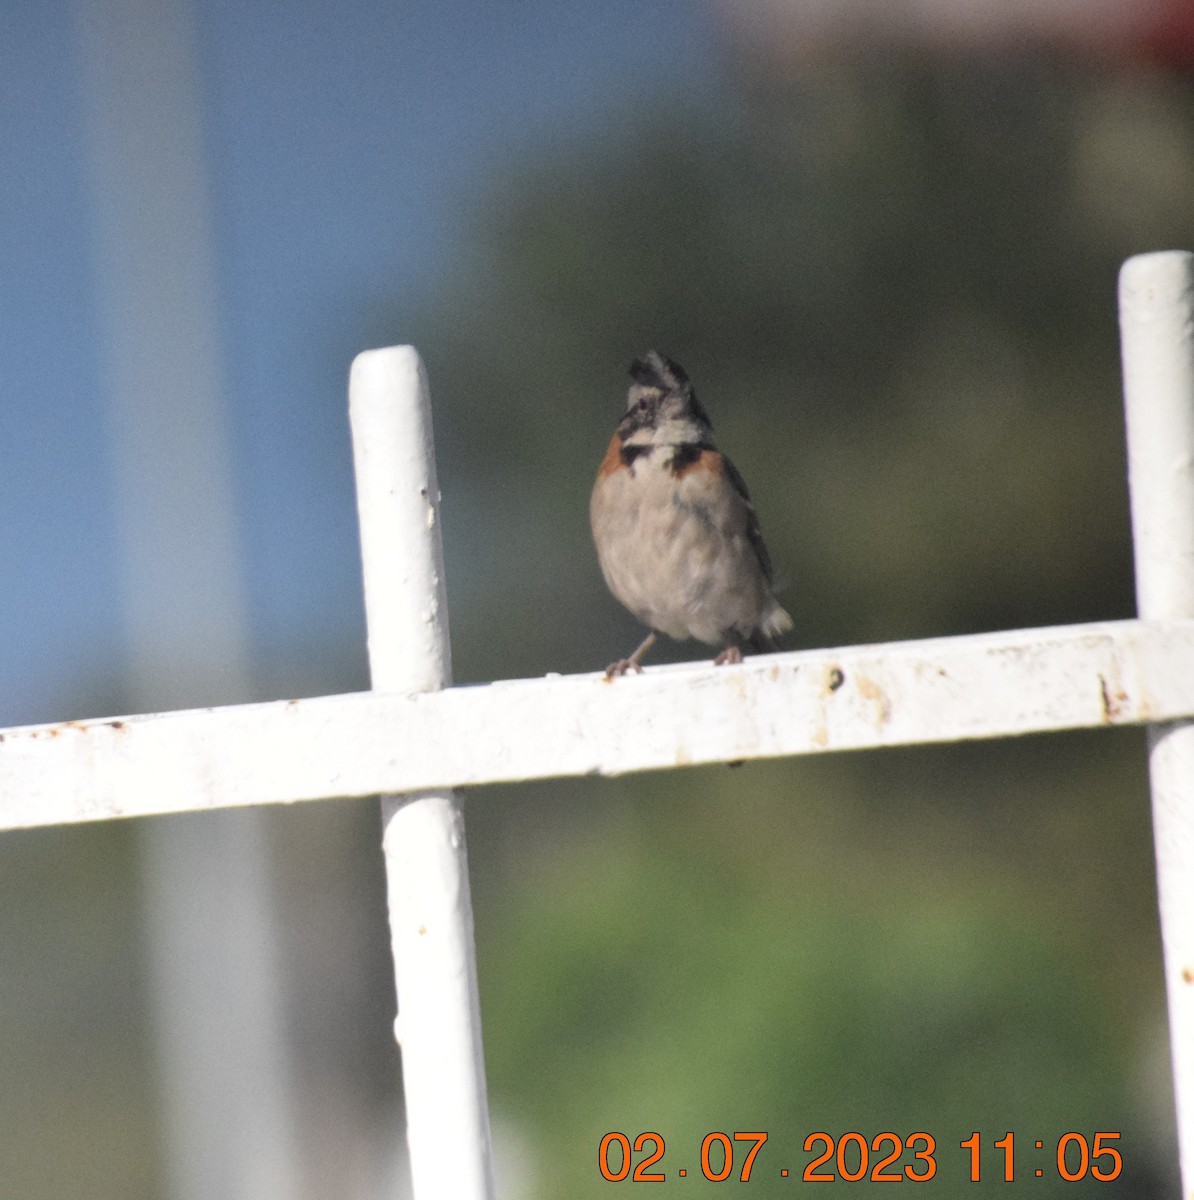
pixel 941 690
pixel 431 916
pixel 1156 296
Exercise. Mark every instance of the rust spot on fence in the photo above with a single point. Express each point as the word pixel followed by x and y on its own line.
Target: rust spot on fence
pixel 119 726
pixel 1114 701
pixel 873 694
pixel 831 681
pixel 1188 975
pixel 53 731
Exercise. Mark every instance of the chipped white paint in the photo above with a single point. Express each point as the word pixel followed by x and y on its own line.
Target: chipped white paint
pixel 427 884
pixel 1156 295
pixel 946 689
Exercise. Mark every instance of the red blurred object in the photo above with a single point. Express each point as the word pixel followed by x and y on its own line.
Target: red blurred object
pixel 788 32
pixel 1171 39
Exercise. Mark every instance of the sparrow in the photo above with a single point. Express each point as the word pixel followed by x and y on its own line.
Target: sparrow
pixel 676 534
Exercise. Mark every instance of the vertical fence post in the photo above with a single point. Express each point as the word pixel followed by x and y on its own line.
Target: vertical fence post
pixel 431 917
pixel 1156 299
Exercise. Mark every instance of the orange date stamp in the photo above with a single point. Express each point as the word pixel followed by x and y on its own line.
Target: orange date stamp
pixel 851 1157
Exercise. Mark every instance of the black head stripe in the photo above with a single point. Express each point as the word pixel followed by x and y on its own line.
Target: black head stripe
pixel 654 370
pixel 643 415
pixel 697 411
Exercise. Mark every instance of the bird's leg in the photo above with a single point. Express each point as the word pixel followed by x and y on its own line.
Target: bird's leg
pixel 731 654
pixel 632 663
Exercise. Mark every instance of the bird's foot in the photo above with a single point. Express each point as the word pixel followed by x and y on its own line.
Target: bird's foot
pixel 632 663
pixel 729 656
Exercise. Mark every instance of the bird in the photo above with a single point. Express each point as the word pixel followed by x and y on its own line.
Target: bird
pixel 676 533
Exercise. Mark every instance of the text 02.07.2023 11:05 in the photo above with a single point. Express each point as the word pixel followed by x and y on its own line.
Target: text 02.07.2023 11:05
pixel 883 1158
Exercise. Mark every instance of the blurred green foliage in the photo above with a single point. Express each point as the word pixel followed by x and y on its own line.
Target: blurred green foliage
pixel 893 285
pixel 76 1091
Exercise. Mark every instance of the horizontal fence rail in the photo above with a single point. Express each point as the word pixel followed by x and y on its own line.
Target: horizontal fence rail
pixel 940 690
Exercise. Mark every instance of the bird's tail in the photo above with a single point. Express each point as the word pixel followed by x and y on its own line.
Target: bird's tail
pixel 775 622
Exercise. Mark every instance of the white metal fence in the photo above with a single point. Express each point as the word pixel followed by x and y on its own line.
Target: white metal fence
pixel 415 737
